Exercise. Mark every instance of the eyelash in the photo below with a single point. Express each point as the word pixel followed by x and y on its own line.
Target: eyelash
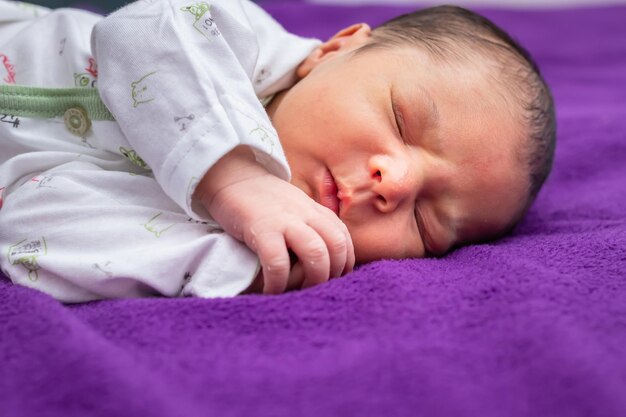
pixel 397 118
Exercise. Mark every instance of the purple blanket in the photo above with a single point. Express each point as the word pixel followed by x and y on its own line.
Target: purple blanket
pixel 531 325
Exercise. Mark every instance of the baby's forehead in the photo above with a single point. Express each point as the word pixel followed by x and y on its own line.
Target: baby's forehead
pixel 475 84
pixel 461 58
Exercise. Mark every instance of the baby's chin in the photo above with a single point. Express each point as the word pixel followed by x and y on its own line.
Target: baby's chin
pixel 365 253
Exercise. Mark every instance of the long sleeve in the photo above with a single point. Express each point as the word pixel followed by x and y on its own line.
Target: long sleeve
pixel 183 81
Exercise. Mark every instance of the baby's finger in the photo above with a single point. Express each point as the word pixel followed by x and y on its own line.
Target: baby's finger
pixel 296 277
pixel 312 253
pixel 272 252
pixel 351 258
pixel 336 237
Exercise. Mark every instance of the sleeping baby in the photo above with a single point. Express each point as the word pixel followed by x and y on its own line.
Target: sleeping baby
pixel 185 148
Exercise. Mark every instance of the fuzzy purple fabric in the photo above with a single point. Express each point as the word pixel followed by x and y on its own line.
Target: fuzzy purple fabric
pixel 531 325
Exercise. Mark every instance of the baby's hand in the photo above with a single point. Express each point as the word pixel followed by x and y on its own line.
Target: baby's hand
pixel 272 217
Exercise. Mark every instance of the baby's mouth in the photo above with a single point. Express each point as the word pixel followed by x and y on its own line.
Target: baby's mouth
pixel 328 193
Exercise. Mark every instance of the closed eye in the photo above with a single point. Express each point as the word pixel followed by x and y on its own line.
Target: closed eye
pixel 397 117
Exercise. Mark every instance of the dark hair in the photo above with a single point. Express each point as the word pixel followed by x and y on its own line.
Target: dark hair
pixel 440 30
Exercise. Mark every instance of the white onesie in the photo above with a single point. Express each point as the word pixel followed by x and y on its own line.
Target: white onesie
pixel 93 208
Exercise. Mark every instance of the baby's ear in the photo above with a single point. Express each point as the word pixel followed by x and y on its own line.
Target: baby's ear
pixel 346 40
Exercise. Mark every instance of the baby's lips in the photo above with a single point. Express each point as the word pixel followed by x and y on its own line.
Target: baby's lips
pixel 345 198
pixel 328 193
pixel 331 203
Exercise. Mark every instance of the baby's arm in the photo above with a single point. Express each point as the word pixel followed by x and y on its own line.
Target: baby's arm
pixel 206 69
pixel 271 216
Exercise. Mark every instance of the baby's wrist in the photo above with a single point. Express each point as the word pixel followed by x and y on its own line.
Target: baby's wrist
pixel 236 166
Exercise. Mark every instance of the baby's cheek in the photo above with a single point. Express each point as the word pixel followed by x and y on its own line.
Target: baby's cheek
pixel 372 244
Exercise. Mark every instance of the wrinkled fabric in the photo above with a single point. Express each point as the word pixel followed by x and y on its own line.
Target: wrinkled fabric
pixel 531 325
pixel 107 211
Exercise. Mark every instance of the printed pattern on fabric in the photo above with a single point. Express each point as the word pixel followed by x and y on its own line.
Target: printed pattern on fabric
pixel 89 78
pixel 184 122
pixel 10 119
pixel 84 79
pixel 264 136
pixel 140 91
pixel 132 156
pixel 92 68
pixel 104 268
pixel 43 181
pixel 157 226
pixel 203 22
pixel 62 43
pixel 7 70
pixel 27 253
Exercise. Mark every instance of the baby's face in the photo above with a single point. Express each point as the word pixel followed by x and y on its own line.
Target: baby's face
pixel 415 157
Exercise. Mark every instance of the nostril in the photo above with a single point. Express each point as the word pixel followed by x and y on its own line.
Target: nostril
pixel 378 175
pixel 381 199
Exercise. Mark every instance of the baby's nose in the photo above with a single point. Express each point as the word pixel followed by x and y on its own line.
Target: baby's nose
pixel 392 183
